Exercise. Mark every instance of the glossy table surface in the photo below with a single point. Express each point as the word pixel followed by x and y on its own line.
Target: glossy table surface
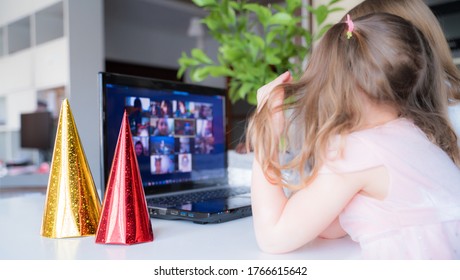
pixel 20 239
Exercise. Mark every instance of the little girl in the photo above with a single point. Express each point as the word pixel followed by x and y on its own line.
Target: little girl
pixel 420 15
pixel 369 139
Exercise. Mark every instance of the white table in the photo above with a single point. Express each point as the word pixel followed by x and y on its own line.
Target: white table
pixel 20 239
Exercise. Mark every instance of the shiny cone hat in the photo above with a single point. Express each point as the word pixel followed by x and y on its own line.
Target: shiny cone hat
pixel 72 205
pixel 124 218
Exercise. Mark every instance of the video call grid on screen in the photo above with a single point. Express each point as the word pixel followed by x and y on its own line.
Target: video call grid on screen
pixel 178 136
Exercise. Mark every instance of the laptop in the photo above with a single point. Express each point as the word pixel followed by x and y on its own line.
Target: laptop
pixel 179 136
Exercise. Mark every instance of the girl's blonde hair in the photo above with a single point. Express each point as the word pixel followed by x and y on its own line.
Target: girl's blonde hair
pixel 420 15
pixel 388 60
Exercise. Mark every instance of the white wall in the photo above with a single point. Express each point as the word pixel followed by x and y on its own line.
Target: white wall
pixel 16 72
pixel 86 59
pixel 11 10
pixel 51 64
pixel 24 72
pixel 17 75
pixel 19 102
pixel 336 16
pixel 71 61
pixel 146 33
pixel 153 32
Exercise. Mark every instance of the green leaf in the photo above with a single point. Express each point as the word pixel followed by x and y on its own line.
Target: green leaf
pixel 323 30
pixel 244 73
pixel 336 10
pixel 253 51
pixel 281 19
pixel 333 2
pixel 188 61
pixel 320 14
pixel 199 74
pixel 219 71
pixel 307 36
pixel 181 72
pixel 204 3
pixel 263 13
pixel 201 56
pixel 223 5
pixel 271 76
pixel 230 53
pixel 279 8
pixel 211 22
pixel 244 90
pixel 271 58
pixel 235 5
pixel 255 40
pixel 233 91
pixel 250 58
pixel 288 48
pixel 226 13
pixel 301 51
pixel 251 98
pixel 231 16
pixel 272 34
pixel 293 5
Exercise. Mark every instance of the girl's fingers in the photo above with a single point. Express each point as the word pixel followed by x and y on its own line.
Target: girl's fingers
pixel 264 92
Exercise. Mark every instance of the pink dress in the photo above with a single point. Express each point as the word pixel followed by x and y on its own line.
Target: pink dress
pixel 420 216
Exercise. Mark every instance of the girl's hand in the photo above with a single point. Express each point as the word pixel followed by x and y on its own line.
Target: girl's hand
pixel 265 91
pixel 277 96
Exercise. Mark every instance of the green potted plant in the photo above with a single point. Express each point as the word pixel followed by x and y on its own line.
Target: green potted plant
pixel 256 43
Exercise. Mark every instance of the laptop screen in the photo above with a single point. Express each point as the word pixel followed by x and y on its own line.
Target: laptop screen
pixel 178 130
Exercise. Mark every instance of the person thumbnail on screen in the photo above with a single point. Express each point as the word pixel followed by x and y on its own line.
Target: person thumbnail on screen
pixel 204 140
pixel 161 145
pixel 155 110
pixel 141 146
pixel 182 109
pixel 184 162
pixel 185 145
pixel 162 164
pixel 184 127
pixel 165 109
pixel 143 128
pixel 203 111
pixel 138 111
pixel 162 126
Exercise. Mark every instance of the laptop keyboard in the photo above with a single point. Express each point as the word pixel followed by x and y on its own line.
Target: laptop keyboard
pixel 173 200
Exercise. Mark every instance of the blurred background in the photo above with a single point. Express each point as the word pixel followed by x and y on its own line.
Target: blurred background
pixel 53 49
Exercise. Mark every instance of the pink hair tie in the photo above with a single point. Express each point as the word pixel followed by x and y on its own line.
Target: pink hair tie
pixel 351 26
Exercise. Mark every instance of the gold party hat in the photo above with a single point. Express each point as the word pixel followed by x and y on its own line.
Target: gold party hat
pixel 72 205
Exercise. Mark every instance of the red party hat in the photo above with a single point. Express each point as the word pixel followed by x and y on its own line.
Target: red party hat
pixel 124 218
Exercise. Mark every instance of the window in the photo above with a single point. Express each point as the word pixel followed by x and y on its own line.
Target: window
pixel 19 35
